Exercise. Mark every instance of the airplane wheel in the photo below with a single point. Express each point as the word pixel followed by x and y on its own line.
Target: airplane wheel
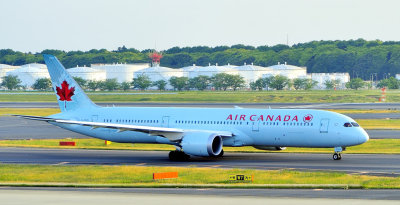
pixel 178 156
pixel 221 154
pixel 172 156
pixel 337 156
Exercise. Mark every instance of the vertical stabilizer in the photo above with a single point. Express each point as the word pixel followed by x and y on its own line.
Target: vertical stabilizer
pixel 70 95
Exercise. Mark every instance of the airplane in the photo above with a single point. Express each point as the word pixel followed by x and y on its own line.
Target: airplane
pixel 201 132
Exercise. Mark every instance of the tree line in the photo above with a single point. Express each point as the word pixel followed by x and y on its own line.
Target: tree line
pixel 221 81
pixel 360 58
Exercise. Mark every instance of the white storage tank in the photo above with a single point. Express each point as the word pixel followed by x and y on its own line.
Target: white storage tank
pixel 29 73
pixel 251 73
pixel 88 73
pixel 159 73
pixel 289 71
pixel 212 70
pixel 121 72
pixel 4 68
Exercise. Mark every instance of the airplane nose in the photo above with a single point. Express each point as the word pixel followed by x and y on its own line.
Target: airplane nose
pixel 363 137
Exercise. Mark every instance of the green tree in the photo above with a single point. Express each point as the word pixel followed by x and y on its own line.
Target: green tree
pixel 94 85
pixel 259 84
pixel 81 82
pixel 219 81
pixel 299 83
pixel 310 84
pixel 235 81
pixel 179 83
pixel 391 83
pixel 331 84
pixel 125 86
pixel 160 84
pixel 42 84
pixel 11 82
pixel 355 83
pixel 141 82
pixel 279 82
pixel 200 82
pixel 110 84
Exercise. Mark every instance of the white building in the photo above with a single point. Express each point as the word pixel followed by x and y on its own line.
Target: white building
pixel 4 69
pixel 251 73
pixel 212 70
pixel 321 78
pixel 88 73
pixel 159 73
pixel 29 73
pixel 187 71
pixel 121 72
pixel 290 71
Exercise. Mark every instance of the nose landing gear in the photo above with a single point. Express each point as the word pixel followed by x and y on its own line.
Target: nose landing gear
pixel 338 153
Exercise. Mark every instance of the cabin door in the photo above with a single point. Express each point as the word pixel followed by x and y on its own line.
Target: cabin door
pixel 256 126
pixel 324 126
pixel 95 118
pixel 165 121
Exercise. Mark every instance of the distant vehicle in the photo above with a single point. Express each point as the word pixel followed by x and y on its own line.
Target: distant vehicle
pixel 198 131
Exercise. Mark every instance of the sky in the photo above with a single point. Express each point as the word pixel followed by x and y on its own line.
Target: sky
pixel 35 25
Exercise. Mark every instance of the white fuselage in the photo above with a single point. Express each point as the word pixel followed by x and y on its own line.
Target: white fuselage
pixel 251 127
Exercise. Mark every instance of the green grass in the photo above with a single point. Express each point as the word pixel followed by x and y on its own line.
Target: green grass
pixel 209 177
pixel 391 124
pixel 29 111
pixel 374 146
pixel 314 96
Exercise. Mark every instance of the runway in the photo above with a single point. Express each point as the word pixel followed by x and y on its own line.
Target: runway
pixel 44 195
pixel 61 196
pixel 368 164
pixel 17 128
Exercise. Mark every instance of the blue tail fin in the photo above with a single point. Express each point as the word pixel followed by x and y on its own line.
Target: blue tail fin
pixel 70 95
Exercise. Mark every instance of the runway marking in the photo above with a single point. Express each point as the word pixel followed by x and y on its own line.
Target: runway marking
pixel 141 164
pixel 61 163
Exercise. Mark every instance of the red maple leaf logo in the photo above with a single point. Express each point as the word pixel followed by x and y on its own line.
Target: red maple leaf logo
pixel 64 92
pixel 307 118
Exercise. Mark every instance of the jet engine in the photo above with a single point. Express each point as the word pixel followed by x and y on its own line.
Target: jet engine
pixel 270 148
pixel 202 144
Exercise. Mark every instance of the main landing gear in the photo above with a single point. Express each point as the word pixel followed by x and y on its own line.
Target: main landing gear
pixel 338 153
pixel 178 156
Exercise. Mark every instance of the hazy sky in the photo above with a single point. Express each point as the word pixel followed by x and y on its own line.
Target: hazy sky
pixel 34 25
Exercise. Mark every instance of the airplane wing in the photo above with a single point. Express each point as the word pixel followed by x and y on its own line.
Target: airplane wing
pixel 173 134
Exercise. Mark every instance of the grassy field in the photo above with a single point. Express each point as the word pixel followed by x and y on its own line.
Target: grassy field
pixel 137 176
pixel 374 146
pixel 314 96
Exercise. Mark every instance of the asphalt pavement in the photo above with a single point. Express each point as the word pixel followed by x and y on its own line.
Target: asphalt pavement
pixel 368 164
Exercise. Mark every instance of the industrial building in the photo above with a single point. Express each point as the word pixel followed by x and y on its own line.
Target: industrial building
pixel 88 73
pixel 29 73
pixel 121 72
pixel 6 68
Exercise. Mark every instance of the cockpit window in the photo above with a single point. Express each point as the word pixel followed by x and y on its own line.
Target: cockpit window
pixel 355 124
pixel 347 124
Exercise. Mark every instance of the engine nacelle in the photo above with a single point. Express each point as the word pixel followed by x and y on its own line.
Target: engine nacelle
pixel 270 148
pixel 202 144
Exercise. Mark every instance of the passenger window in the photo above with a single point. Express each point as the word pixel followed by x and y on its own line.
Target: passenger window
pixel 355 124
pixel 347 124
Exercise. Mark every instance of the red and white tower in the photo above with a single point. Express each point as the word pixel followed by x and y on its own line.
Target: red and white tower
pixel 155 58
